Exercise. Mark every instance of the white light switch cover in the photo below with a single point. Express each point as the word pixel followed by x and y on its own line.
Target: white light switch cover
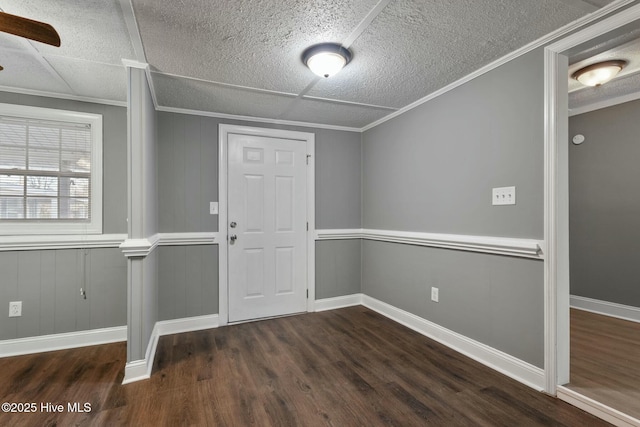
pixel 503 196
pixel 213 208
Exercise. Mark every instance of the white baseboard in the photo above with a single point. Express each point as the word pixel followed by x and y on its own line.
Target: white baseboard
pixel 338 302
pixel 612 309
pixel 596 408
pixel 187 324
pixel 30 345
pixel 138 370
pixel 502 362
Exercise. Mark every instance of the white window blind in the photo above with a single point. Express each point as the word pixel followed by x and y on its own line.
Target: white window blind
pixel 46 171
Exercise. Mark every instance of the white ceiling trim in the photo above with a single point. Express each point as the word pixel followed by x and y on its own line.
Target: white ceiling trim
pixel 572 26
pixel 366 21
pixel 604 104
pixel 62 96
pixel 357 104
pixel 256 119
pixel 132 27
pixel 229 85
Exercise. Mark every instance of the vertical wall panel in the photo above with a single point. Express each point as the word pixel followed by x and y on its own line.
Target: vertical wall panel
pixel 67 283
pixel 338 268
pixel 8 292
pixel 188 281
pixel 193 279
pixel 47 292
pixel 83 306
pixel 192 191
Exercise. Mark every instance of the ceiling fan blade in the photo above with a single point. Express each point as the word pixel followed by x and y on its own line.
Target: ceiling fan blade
pixel 28 28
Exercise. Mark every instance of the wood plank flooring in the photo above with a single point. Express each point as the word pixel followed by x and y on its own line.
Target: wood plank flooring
pixel 347 367
pixel 605 360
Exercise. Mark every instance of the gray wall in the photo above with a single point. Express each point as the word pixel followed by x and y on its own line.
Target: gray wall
pixel 114 146
pixel 188 173
pixel 188 281
pixel 188 181
pixel 493 299
pixel 48 282
pixel 604 204
pixel 432 170
pixel 338 268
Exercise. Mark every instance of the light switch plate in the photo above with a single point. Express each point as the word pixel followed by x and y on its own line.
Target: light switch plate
pixel 503 196
pixel 213 208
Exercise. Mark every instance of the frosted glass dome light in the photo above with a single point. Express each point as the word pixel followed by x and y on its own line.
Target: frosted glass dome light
pixel 326 59
pixel 599 73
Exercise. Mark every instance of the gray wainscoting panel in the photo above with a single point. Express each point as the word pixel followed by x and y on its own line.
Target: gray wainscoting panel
pixel 114 146
pixel 432 169
pixel 604 204
pixel 338 268
pixel 188 281
pixel 48 284
pixel 496 300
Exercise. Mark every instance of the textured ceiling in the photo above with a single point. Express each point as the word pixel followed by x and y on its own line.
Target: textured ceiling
pixel 242 57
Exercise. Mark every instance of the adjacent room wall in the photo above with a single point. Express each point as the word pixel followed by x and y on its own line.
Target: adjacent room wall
pixel 188 181
pixel 604 204
pixel 48 282
pixel 432 170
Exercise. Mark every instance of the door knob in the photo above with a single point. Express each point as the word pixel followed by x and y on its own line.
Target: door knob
pixel 233 238
pixel 233 224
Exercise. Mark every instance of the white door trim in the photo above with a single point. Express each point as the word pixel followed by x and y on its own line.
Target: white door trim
pixel 223 276
pixel 556 216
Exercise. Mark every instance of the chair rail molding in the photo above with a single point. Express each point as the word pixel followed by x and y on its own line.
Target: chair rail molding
pixel 524 248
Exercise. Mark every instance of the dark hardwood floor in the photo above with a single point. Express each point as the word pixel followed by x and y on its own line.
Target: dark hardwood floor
pixel 347 367
pixel 605 360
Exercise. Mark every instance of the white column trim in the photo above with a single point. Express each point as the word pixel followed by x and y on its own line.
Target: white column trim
pixel 139 248
pixel 138 370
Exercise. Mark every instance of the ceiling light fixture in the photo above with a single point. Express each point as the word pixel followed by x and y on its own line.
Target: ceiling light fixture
pixel 599 73
pixel 326 59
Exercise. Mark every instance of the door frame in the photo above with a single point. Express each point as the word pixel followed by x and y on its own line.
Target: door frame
pixel 556 191
pixel 223 169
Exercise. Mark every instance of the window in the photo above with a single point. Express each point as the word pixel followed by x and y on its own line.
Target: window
pixel 50 171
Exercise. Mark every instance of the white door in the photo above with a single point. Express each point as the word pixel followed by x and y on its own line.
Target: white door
pixel 267 223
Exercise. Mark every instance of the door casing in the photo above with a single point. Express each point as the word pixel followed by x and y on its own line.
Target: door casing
pixel 223 276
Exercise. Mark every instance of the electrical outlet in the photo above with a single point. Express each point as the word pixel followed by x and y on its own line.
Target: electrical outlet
pixel 15 309
pixel 435 295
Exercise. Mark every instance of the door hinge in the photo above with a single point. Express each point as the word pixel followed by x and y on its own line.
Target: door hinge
pixel 308 155
pixel 307 293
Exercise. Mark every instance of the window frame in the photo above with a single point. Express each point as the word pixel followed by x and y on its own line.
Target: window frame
pixel 15 227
